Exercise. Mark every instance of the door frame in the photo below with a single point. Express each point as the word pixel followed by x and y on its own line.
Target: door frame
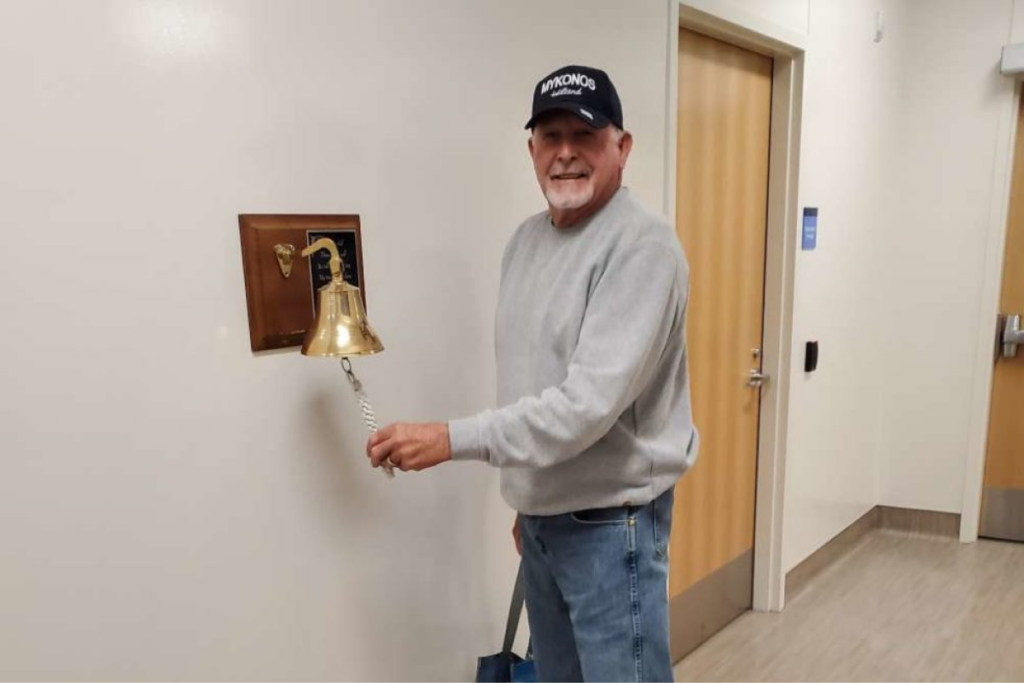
pixel 991 291
pixel 721 20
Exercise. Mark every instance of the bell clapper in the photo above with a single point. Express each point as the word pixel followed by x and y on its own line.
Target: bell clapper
pixel 364 406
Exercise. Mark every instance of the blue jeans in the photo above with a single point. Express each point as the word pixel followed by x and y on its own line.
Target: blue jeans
pixel 597 593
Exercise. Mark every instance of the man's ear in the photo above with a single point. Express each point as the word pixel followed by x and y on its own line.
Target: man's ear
pixel 529 144
pixel 625 147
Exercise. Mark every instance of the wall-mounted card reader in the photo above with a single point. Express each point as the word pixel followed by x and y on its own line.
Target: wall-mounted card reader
pixel 811 357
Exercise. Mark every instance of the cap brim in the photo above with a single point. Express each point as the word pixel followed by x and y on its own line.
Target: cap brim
pixel 595 118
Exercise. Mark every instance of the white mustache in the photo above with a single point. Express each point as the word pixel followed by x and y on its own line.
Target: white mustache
pixel 571 170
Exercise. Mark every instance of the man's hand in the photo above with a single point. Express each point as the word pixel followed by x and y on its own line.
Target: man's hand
pixel 517 535
pixel 410 446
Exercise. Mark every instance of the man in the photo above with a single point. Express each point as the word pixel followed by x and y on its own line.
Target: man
pixel 595 426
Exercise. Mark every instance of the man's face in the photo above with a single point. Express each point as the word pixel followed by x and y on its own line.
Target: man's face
pixel 578 167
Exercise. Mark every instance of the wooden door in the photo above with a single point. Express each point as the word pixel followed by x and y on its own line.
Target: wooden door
pixel 1002 514
pixel 721 218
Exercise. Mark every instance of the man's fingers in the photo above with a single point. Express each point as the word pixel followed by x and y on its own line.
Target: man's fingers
pixel 407 446
pixel 380 444
pixel 402 457
pixel 383 434
pixel 379 452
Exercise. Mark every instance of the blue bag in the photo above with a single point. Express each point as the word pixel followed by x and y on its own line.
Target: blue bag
pixel 524 671
pixel 507 666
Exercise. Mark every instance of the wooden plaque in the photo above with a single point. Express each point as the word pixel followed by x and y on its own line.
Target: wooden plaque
pixel 282 308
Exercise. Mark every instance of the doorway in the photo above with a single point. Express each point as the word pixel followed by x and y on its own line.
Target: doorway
pixel 1002 511
pixel 723 143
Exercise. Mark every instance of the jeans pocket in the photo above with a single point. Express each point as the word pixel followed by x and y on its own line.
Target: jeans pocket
pixel 599 516
pixel 662 517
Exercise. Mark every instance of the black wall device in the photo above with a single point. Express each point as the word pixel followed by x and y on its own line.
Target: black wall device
pixel 811 357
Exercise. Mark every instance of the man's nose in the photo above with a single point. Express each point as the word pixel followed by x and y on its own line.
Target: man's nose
pixel 566 150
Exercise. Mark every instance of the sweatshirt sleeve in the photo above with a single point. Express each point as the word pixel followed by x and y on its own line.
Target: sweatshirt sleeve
pixel 625 328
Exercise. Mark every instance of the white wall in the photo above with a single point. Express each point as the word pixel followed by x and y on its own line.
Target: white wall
pixel 901 147
pixel 951 100
pixel 847 135
pixel 172 507
pixel 791 14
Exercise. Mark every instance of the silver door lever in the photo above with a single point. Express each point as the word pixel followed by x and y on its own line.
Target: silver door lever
pixel 1012 336
pixel 757 379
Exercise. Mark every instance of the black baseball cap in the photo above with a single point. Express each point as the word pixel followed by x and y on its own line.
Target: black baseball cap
pixel 586 92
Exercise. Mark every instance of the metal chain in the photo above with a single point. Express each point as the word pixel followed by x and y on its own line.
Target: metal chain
pixel 367 410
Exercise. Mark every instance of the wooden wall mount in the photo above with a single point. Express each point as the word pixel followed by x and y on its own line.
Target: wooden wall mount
pixel 282 308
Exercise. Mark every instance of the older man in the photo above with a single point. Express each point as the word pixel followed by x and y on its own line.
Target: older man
pixel 595 426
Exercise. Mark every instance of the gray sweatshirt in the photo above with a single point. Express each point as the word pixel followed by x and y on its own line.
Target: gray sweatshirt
pixel 593 385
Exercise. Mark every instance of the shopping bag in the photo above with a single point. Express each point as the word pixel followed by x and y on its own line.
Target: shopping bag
pixel 524 671
pixel 506 666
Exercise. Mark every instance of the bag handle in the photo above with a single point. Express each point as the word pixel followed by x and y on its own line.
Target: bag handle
pixel 514 611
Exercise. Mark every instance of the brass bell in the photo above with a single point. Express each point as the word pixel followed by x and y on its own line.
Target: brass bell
pixel 340 328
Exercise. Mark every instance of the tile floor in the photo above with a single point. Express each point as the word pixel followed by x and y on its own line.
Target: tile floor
pixel 897 607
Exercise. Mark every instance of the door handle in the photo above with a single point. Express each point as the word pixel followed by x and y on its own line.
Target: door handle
pixel 757 379
pixel 1012 336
